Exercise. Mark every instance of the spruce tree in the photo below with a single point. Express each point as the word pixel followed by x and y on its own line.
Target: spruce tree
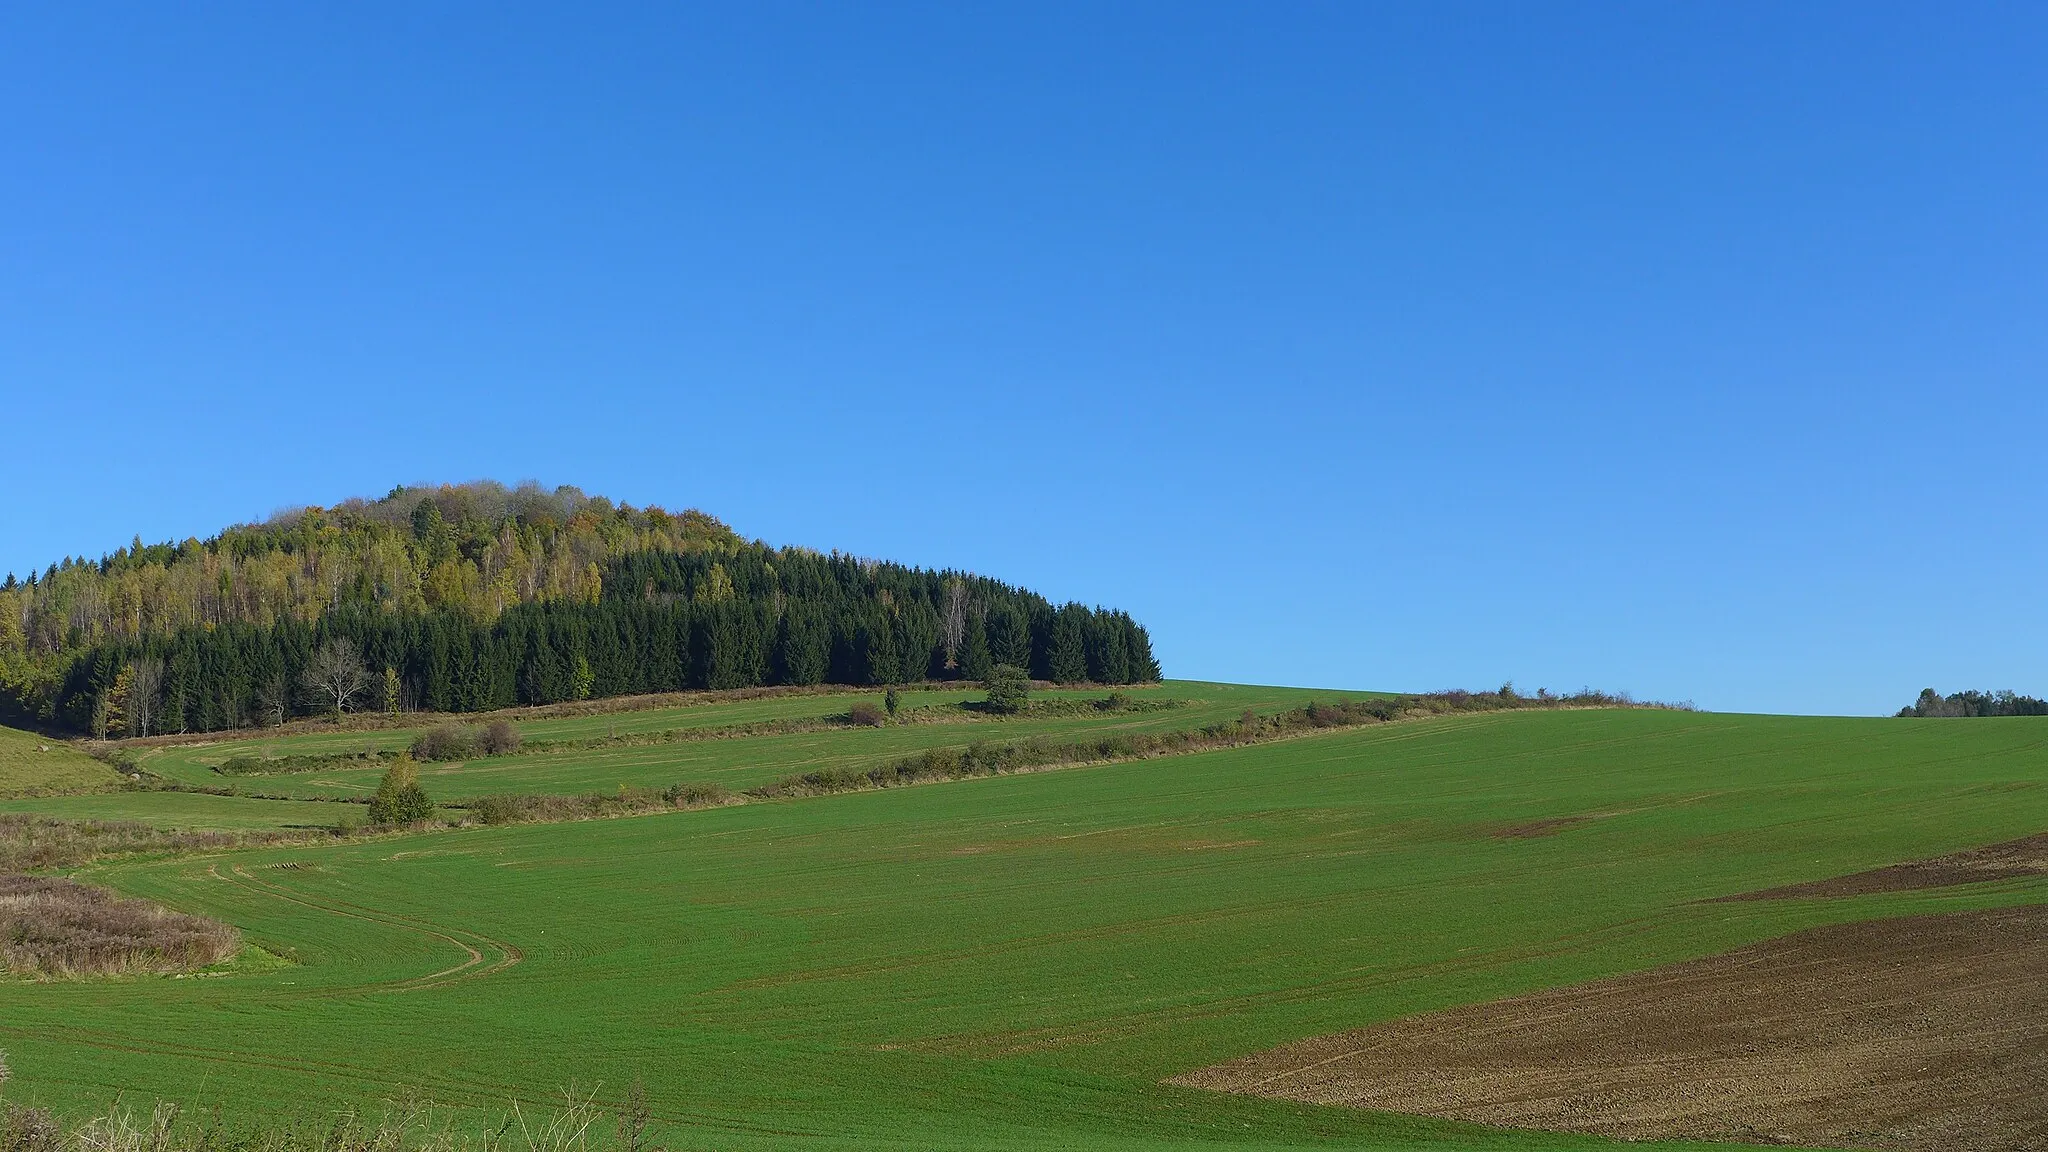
pixel 975 659
pixel 1066 657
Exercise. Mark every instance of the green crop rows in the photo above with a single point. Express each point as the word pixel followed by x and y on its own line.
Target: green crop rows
pixel 1012 962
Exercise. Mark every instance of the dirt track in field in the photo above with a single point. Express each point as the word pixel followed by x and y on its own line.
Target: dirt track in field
pixel 2013 859
pixel 1929 1032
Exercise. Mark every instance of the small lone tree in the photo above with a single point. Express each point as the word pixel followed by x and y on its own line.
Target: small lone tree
pixel 892 700
pixel 399 798
pixel 335 675
pixel 393 690
pixel 1008 688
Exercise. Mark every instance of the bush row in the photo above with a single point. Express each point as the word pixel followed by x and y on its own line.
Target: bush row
pixel 535 809
pixel 464 741
pixel 985 758
pixel 283 765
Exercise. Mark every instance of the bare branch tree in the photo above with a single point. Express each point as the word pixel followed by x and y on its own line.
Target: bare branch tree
pixel 145 684
pixel 335 675
pixel 953 620
pixel 274 699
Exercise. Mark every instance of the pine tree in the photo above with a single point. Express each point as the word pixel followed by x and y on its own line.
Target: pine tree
pixel 1066 656
pixel 975 659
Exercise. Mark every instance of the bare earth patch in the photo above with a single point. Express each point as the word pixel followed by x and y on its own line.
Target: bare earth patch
pixel 1929 1032
pixel 2011 860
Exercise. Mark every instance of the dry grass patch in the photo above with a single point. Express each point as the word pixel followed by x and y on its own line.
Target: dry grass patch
pixel 60 928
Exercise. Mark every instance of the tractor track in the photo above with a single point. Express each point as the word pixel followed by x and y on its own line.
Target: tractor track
pixel 472 944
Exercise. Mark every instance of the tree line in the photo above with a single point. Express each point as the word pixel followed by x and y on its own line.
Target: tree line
pixel 1973 703
pixel 727 616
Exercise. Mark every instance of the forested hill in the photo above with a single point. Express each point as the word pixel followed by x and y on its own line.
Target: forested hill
pixel 475 596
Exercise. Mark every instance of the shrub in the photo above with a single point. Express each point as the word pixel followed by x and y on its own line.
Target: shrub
pixel 865 715
pixel 696 795
pixel 1008 688
pixel 399 798
pixel 53 927
pixel 500 738
pixel 448 742
pixel 28 1129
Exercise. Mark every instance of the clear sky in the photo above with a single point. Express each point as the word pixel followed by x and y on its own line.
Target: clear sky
pixel 1691 349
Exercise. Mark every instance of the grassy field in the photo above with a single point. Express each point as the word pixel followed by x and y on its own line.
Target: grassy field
pixel 186 811
pixel 738 762
pixel 31 764
pixel 1017 962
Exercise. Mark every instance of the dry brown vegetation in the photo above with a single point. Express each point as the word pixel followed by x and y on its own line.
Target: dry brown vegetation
pixel 411 1123
pixel 1929 1032
pixel 60 928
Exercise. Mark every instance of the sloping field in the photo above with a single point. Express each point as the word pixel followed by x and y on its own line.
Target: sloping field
pixel 2009 860
pixel 1019 962
pixel 185 811
pixel 737 762
pixel 1925 1032
pixel 32 765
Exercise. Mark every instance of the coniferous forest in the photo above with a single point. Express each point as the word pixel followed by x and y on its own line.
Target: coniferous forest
pixel 469 597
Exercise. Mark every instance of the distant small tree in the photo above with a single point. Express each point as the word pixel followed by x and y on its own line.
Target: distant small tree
pixel 393 691
pixel 274 698
pixel 399 798
pixel 145 685
pixel 892 700
pixel 1009 689
pixel 335 675
pixel 582 680
pixel 105 714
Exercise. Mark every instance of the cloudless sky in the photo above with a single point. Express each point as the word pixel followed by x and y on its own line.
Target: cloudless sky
pixel 1691 349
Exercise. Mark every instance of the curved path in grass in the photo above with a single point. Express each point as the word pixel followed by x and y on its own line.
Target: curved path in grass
pixel 484 955
pixel 1019 962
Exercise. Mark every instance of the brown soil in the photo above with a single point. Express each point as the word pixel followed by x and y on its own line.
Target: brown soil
pixel 2013 859
pixel 1929 1032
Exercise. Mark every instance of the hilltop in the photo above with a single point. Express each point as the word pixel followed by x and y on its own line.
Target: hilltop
pixel 476 596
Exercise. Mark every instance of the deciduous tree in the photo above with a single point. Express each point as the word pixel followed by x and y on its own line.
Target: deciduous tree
pixel 335 675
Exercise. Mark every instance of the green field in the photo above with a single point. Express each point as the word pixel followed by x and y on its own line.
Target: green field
pixel 186 811
pixel 1017 962
pixel 736 763
pixel 32 764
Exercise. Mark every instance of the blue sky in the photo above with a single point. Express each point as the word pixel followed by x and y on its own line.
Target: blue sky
pixel 1695 350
